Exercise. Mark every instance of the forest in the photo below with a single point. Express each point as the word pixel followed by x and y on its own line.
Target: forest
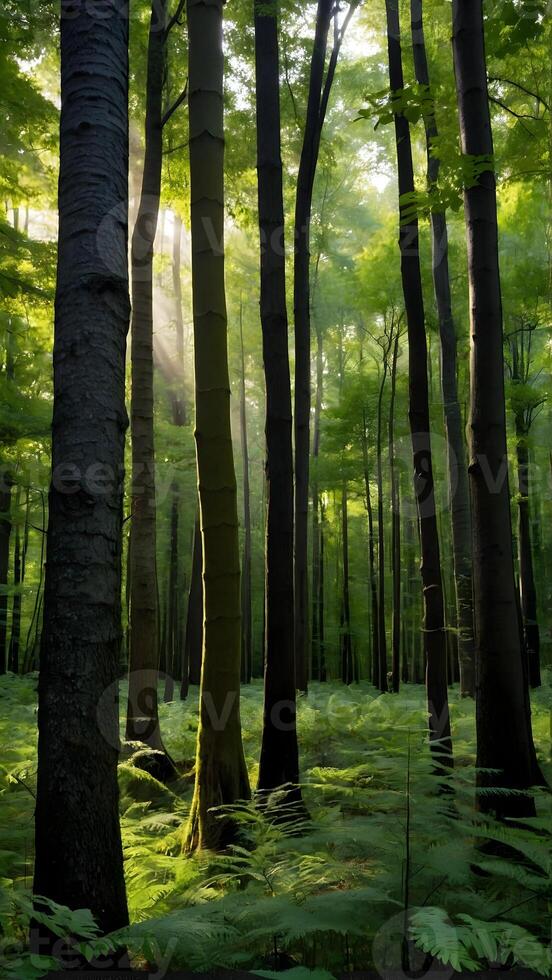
pixel 276 487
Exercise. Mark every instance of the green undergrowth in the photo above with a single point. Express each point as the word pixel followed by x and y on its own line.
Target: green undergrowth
pixel 328 895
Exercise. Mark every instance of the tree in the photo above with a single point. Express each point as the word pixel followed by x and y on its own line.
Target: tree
pixel 434 622
pixel 246 648
pixel 526 404
pixel 279 761
pixel 457 466
pixel 142 714
pixel 505 749
pixel 320 86
pixel 221 774
pixel 77 795
pixel 5 533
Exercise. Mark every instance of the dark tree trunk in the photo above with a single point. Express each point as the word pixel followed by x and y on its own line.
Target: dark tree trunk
pixel 528 590
pixel 316 655
pixel 279 762
pixel 142 714
pixel 320 85
pixel 246 638
pixel 5 533
pixel 382 637
pixel 347 666
pixel 432 586
pixel 301 303
pixel 371 559
pixel 221 775
pixel 395 529
pixel 79 859
pixel 504 738
pixel 13 653
pixel 457 466
pixel 322 672
pixel 173 645
pixel 193 639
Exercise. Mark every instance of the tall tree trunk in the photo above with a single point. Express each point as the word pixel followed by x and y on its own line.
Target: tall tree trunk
pixel 316 526
pixel 528 590
pixel 174 647
pixel 322 670
pixel 504 737
pixel 459 496
pixel 246 636
pixel 320 85
pixel 279 762
pixel 5 533
pixel 221 774
pixel 79 860
pixel 347 665
pixel 382 638
pixel 371 560
pixel 301 303
pixel 13 653
pixel 395 529
pixel 142 714
pixel 193 639
pixel 432 586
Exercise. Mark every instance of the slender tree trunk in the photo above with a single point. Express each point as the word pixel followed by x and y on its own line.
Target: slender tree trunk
pixel 301 303
pixel 5 533
pixel 347 666
pixel 382 638
pixel 174 649
pixel 193 640
pixel 13 653
pixel 504 738
pixel 246 638
pixel 432 585
pixel 279 762
pixel 221 774
pixel 395 529
pixel 371 558
pixel 316 526
pixel 528 590
pixel 459 496
pixel 322 672
pixel 79 859
pixel 142 714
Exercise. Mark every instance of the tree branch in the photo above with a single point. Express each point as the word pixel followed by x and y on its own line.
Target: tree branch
pixel 510 81
pixel 175 19
pixel 172 109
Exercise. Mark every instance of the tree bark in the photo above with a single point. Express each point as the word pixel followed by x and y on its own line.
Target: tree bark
pixel 432 586
pixel 316 654
pixel 221 774
pixel 79 859
pixel 5 534
pixel 193 640
pixel 246 636
pixel 346 652
pixel 395 529
pixel 13 652
pixel 371 558
pixel 459 497
pixel 301 303
pixel 382 637
pixel 279 761
pixel 143 714
pixel 504 738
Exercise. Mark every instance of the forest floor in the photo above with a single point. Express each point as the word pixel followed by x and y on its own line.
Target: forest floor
pixel 328 898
